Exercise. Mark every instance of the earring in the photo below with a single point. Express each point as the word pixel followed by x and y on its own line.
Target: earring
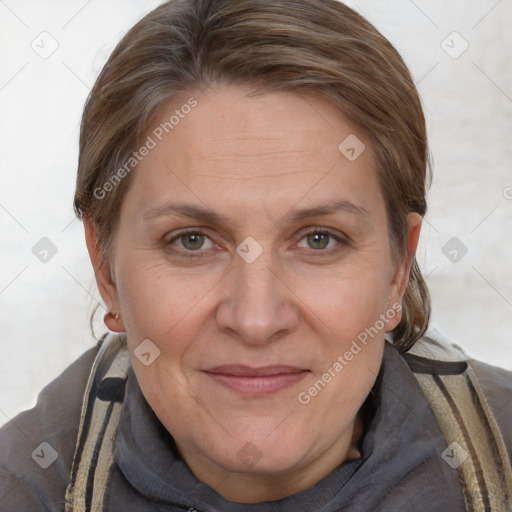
pixel 109 320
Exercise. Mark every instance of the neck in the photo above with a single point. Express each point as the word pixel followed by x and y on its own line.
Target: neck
pixel 257 488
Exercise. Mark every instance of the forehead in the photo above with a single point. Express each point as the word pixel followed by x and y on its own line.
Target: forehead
pixel 232 149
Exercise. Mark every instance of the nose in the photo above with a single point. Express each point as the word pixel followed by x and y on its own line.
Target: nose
pixel 257 306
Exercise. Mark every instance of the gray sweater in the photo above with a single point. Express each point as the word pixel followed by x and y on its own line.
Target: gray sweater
pixel 401 467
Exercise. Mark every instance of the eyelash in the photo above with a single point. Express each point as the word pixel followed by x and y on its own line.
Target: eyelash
pixel 183 252
pixel 342 242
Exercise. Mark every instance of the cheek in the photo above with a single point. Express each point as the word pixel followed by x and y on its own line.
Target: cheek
pixel 350 348
pixel 157 300
pixel 168 307
pixel 348 301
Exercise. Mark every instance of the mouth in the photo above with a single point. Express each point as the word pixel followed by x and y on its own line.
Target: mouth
pixel 264 380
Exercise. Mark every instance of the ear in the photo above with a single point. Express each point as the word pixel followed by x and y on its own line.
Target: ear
pixel 104 279
pixel 402 269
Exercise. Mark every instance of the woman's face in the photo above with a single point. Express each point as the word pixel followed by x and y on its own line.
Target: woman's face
pixel 253 253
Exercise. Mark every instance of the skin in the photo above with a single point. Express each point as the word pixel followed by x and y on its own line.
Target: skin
pixel 255 161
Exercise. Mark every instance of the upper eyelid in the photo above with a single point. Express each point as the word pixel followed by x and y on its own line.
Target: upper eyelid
pixel 305 231
pixel 315 229
pixel 188 231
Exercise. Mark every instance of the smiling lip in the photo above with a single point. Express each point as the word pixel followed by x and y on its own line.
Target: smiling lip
pixel 257 381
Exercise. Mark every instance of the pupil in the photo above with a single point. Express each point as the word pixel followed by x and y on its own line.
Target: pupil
pixel 318 240
pixel 193 241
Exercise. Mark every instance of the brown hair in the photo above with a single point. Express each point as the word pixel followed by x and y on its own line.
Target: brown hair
pixel 318 46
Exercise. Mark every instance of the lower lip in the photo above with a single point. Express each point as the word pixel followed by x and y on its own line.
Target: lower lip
pixel 261 385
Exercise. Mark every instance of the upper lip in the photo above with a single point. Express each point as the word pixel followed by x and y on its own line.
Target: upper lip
pixel 240 370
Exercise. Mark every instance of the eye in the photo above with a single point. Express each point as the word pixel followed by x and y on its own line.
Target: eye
pixel 319 240
pixel 193 241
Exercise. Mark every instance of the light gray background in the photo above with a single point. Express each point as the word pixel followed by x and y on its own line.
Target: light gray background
pixel 45 307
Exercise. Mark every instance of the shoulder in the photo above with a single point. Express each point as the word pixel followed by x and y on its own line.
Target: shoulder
pixel 37 446
pixel 496 384
pixel 436 354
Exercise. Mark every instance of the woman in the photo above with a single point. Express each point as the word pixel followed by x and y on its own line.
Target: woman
pixel 252 181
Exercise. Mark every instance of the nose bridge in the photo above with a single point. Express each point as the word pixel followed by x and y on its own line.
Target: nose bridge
pixel 257 306
pixel 256 293
pixel 256 282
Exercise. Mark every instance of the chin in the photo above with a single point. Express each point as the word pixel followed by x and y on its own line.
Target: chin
pixel 261 456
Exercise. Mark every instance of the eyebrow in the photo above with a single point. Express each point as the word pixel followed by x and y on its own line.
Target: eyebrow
pixel 208 215
pixel 183 210
pixel 327 209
